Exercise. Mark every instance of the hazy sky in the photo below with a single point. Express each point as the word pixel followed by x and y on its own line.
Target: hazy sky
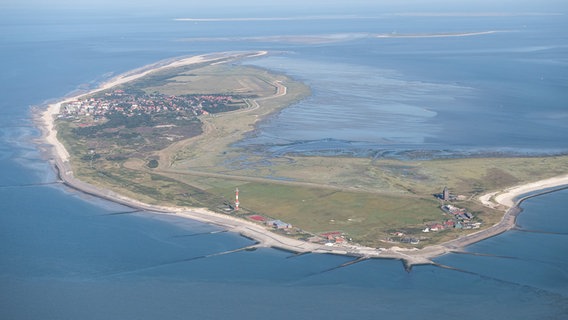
pixel 185 7
pixel 441 4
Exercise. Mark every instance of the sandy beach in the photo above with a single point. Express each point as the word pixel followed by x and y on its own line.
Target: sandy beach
pixel 508 196
pixel 504 199
pixel 507 200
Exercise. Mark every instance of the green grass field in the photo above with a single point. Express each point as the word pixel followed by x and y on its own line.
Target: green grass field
pixel 217 79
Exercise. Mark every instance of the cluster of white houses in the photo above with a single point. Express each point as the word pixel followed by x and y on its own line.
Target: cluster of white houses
pixel 460 218
pixel 119 101
pixel 276 224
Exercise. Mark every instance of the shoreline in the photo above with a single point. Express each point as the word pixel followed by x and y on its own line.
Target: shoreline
pixel 59 157
pixel 508 200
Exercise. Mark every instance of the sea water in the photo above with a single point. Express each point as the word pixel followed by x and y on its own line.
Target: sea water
pixel 67 255
pixel 451 96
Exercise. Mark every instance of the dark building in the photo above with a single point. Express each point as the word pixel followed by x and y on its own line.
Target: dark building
pixel 446 194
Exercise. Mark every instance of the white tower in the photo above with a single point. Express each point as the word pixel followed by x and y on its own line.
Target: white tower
pixel 237 199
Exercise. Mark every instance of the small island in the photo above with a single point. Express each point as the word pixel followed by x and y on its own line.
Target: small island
pixel 163 139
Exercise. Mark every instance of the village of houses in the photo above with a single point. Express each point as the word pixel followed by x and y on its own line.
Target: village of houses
pixel 455 218
pixel 130 104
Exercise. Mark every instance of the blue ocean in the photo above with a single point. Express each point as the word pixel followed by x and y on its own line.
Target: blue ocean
pixel 68 255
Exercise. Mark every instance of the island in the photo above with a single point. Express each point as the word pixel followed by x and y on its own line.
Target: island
pixel 164 138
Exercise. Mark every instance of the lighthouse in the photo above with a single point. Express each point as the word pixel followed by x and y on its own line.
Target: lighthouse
pixel 446 194
pixel 237 199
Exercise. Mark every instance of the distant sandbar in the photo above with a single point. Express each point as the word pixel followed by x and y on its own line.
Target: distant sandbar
pixel 436 35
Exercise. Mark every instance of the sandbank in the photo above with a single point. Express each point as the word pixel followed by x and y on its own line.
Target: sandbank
pixel 436 35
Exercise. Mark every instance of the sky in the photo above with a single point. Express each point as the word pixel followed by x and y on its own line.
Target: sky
pixel 288 5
